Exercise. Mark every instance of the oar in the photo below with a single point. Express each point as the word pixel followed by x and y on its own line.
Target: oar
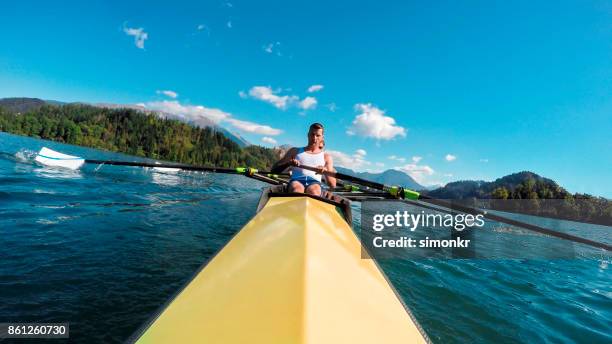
pixel 396 191
pixel 399 192
pixel 50 157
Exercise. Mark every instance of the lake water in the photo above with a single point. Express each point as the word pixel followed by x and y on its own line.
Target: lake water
pixel 102 248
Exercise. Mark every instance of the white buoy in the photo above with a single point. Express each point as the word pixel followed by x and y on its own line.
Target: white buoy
pixel 50 157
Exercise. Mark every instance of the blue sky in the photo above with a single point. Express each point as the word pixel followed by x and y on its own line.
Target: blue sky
pixel 444 91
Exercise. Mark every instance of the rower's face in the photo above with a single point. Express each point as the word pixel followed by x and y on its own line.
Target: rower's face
pixel 315 137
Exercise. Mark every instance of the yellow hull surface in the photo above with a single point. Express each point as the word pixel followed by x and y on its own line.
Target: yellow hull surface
pixel 293 274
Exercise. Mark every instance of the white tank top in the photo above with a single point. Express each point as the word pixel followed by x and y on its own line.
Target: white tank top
pixel 308 159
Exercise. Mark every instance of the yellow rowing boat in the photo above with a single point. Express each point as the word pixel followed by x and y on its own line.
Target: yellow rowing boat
pixel 293 274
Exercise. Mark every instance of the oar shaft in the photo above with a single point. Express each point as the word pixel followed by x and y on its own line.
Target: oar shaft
pixel 162 165
pixel 466 209
pixel 347 177
pixel 265 179
pixel 529 226
pixel 184 167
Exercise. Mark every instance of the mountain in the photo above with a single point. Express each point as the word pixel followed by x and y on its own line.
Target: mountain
pixel 388 177
pixel 21 105
pixel 239 140
pixel 514 183
pixel 201 122
pixel 528 193
pixel 134 132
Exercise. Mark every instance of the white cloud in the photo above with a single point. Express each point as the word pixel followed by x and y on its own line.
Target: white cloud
pixel 315 88
pixel 201 115
pixel 251 127
pixel 332 107
pixel 202 28
pixel 275 97
pixel 484 160
pixel 450 157
pixel 140 36
pixel 379 164
pixel 189 112
pixel 372 122
pixel 269 140
pixel 360 152
pixel 448 175
pixel 416 159
pixel 272 48
pixel 417 172
pixel 396 158
pixel 266 94
pixel 353 162
pixel 167 93
pixel 308 103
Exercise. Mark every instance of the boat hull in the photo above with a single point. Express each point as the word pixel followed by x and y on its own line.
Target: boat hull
pixel 293 274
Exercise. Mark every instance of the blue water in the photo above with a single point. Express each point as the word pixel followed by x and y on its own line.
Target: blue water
pixel 104 247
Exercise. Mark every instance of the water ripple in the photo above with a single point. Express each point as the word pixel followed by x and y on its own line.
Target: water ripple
pixel 103 248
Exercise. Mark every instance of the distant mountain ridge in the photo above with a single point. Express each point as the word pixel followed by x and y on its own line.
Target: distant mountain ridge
pixel 388 177
pixel 481 189
pixel 528 193
pixel 200 122
pixel 134 132
pixel 21 105
pixel 24 104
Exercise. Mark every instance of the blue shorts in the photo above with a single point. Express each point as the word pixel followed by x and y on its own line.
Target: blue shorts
pixel 306 181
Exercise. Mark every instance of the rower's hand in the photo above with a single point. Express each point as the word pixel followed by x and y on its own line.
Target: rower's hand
pixel 295 162
pixel 321 169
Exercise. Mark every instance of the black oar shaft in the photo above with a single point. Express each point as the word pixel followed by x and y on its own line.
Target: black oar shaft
pixel 529 226
pixel 265 179
pixel 468 210
pixel 179 166
pixel 161 165
pixel 347 177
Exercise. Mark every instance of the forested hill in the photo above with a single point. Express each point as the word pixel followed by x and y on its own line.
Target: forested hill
pixel 527 192
pixel 21 105
pixel 133 132
pixel 521 185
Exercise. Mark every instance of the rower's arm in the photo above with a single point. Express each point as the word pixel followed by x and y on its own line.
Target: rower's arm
pixel 285 162
pixel 329 166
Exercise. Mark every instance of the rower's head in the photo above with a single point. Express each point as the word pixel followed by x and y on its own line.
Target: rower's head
pixel 315 134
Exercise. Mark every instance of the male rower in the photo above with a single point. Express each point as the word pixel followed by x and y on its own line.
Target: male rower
pixel 312 155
